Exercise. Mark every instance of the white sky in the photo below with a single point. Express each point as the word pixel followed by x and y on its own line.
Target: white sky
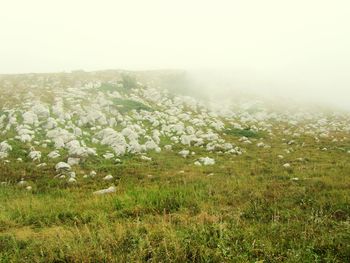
pixel 300 44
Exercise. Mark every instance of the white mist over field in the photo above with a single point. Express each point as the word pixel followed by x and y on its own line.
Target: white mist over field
pixel 291 49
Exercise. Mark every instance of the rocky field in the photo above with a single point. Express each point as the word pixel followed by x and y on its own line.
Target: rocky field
pixel 119 167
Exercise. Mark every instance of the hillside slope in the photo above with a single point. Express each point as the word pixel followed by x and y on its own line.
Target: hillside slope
pixel 118 166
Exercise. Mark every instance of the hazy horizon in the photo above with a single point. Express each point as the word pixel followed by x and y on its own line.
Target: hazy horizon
pixel 295 49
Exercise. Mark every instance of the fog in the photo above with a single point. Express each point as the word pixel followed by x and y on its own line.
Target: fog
pixel 294 49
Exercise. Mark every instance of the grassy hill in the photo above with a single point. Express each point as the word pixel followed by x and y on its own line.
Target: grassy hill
pixel 278 190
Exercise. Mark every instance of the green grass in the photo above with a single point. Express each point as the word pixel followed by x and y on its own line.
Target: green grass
pixel 125 85
pixel 245 132
pixel 126 105
pixel 108 87
pixel 243 209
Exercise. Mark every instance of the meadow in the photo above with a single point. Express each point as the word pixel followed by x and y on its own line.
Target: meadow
pixel 247 207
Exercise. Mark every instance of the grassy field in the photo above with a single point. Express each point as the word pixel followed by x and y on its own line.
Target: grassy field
pixel 246 208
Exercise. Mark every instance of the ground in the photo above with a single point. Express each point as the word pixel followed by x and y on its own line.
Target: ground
pixel 247 207
pixel 243 209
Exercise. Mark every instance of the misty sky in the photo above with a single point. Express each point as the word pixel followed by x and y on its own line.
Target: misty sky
pixel 299 47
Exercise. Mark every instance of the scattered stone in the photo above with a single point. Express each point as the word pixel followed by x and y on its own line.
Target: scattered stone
pixel 71 174
pixel 62 166
pixel 261 144
pixel 184 153
pixel 35 155
pixel 109 190
pixel 168 147
pixel 108 156
pixel 207 161
pixel 73 161
pixel 145 158
pixel 197 163
pixel 72 180
pixel 22 182
pixel 108 177
pixel 287 165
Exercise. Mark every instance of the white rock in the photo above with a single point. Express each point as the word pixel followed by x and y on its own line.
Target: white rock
pixel 108 177
pixel 3 155
pixel 73 161
pixel 168 147
pixel 72 180
pixel 62 166
pixel 108 190
pixel 151 145
pixel 22 182
pixel 197 163
pixel 5 147
pixel 53 154
pixel 207 161
pixel 75 149
pixel 30 118
pixel 286 165
pixel 114 139
pixel 108 156
pixel 25 138
pixel 41 111
pixel 145 158
pixel 184 153
pixel 35 155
